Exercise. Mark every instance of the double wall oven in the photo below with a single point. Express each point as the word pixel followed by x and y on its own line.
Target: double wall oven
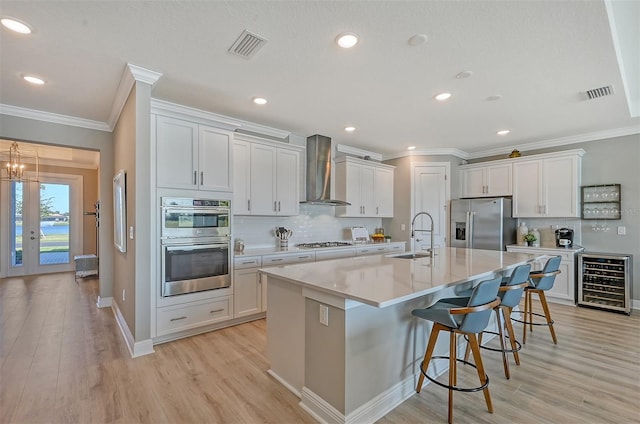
pixel 195 243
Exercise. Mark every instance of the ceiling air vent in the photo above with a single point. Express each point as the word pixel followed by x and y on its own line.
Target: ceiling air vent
pixel 247 44
pixel 599 92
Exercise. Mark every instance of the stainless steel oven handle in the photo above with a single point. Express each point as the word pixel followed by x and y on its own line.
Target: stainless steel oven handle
pixel 188 248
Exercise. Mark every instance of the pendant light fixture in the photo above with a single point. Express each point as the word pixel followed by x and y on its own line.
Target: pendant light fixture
pixel 19 166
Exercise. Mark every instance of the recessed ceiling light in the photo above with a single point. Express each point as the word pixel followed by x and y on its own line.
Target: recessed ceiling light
pixel 464 74
pixel 260 100
pixel 15 25
pixel 33 80
pixel 418 39
pixel 346 40
pixel 443 96
pixel 503 132
pixel 494 97
pixel 349 129
pixel 411 148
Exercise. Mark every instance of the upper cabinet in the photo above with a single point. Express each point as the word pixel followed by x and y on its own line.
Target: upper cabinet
pixel 266 177
pixel 547 185
pixel 486 180
pixel 368 186
pixel 192 156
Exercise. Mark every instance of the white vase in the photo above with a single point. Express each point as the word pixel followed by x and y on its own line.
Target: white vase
pixel 522 230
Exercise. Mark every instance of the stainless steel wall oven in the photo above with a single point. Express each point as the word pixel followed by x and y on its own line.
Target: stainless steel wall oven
pixel 195 243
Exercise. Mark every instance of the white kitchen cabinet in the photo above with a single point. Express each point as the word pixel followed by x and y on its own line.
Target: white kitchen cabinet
pixel 486 180
pixel 563 290
pixel 247 287
pixel 343 252
pixel 192 156
pixel 266 179
pixel 186 316
pixel 366 185
pixel 547 186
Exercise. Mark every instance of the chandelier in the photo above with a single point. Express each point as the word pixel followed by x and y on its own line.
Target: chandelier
pixel 19 166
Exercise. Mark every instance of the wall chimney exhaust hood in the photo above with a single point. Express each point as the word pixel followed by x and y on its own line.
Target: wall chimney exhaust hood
pixel 319 172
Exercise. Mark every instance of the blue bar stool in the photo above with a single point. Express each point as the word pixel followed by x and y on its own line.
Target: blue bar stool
pixel 539 283
pixel 460 315
pixel 510 293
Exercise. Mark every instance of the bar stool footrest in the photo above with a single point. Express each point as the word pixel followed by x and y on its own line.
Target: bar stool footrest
pixel 457 388
pixel 531 323
pixel 495 349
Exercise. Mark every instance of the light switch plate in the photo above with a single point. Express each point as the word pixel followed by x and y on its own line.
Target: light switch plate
pixel 324 315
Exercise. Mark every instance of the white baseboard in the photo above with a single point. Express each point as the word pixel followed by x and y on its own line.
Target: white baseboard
pixel 144 347
pixel 635 304
pixel 320 409
pixel 104 302
pixel 284 383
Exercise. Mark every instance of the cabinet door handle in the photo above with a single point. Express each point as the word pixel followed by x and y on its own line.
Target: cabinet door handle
pixel 377 212
pixel 216 310
pixel 275 206
pixel 278 206
pixel 177 319
pixel 195 177
pixel 248 204
pixel 201 178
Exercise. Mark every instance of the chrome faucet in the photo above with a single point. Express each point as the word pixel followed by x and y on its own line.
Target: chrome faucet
pixel 430 230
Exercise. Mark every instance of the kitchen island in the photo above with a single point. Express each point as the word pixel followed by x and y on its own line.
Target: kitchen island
pixel 340 333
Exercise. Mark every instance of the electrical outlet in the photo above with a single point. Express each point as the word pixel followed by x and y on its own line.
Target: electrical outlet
pixel 622 230
pixel 324 315
pixel 402 227
pixel 123 294
pixel 131 232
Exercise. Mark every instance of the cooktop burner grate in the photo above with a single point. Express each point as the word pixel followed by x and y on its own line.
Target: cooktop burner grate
pixel 320 244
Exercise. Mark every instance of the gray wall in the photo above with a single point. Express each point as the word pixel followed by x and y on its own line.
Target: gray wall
pixel 610 161
pixel 29 130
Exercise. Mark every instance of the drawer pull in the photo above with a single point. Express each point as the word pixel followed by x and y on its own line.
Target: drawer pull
pixel 248 262
pixel 303 257
pixel 276 260
pixel 177 319
pixel 216 310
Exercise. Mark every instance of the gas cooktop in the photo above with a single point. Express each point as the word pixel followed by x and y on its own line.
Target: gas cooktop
pixel 320 244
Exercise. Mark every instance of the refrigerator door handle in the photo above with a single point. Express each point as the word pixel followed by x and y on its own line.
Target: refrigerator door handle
pixel 469 230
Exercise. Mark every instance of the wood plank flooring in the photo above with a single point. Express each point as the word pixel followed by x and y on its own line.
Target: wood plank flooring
pixel 62 360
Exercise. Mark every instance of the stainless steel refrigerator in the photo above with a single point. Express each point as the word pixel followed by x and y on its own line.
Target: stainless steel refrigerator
pixel 482 223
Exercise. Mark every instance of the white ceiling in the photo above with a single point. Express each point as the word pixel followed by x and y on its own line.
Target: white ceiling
pixel 540 56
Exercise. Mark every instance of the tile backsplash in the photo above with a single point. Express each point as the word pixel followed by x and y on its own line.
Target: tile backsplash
pixel 315 223
pixel 548 226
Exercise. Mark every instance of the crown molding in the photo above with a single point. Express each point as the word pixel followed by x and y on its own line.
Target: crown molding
pixel 556 142
pixel 54 118
pixel 536 145
pixel 342 148
pixel 430 152
pixel 130 75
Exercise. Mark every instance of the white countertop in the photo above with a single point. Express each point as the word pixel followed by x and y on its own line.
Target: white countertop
pixel 561 249
pixel 382 280
pixel 294 249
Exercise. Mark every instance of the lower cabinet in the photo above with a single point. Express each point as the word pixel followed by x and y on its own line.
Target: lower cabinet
pixel 247 288
pixel 173 319
pixel 564 287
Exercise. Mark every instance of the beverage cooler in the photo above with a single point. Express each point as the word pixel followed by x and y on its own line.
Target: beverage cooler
pixel 605 281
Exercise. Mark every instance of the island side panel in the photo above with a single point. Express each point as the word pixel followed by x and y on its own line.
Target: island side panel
pixel 325 354
pixel 285 333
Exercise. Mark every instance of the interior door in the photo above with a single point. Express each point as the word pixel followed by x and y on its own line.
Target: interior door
pixel 44 225
pixel 431 195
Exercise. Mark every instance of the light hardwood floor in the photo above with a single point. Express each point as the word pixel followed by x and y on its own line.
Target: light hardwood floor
pixel 64 360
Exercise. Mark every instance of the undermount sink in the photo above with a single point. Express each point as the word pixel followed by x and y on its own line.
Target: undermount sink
pixel 413 256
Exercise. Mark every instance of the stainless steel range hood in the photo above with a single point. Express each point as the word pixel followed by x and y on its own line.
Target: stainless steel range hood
pixel 319 172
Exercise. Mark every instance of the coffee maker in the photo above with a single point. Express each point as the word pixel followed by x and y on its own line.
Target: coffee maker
pixel 564 237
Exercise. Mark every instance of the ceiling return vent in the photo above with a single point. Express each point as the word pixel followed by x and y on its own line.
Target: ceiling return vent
pixel 247 45
pixel 599 92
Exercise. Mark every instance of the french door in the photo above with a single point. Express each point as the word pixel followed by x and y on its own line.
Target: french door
pixel 44 224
